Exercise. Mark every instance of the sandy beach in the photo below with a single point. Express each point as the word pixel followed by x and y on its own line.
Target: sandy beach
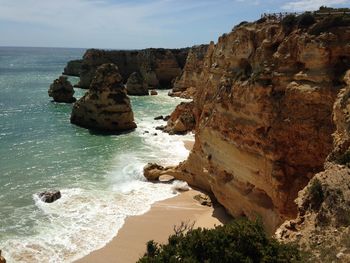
pixel 157 224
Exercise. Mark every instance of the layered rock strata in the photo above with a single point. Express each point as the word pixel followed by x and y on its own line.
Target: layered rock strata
pixel 323 223
pixel 158 67
pixel 185 85
pixel 106 106
pixel 136 85
pixel 61 90
pixel 263 107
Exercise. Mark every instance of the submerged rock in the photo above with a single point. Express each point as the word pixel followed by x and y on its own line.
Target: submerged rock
pixel 136 85
pixel 61 90
pixel 106 106
pixel 50 196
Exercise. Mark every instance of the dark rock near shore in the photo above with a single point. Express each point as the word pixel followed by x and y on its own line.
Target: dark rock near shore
pixel 50 196
pixel 158 118
pixel 106 106
pixel 61 90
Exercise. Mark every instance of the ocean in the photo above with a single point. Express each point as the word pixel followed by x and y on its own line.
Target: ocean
pixel 99 176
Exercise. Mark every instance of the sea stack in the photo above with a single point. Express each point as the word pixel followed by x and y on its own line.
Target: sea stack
pixel 136 85
pixel 61 90
pixel 106 106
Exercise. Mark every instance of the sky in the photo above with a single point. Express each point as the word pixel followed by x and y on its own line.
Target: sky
pixel 133 24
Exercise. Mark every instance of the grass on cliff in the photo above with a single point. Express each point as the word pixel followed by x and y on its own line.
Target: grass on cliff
pixel 239 241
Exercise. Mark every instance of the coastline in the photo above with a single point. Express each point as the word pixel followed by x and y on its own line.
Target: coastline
pixel 157 224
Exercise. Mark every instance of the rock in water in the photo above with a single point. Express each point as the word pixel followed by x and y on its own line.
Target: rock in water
pixel 136 85
pixel 154 92
pixel 2 259
pixel 50 196
pixel 61 90
pixel 106 106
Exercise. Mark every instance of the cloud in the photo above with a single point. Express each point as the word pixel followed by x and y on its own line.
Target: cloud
pixel 303 5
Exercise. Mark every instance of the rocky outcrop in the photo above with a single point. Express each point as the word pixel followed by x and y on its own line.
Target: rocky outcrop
pixel 73 68
pixel 49 196
pixel 158 67
pixel 61 90
pixel 263 108
pixel 2 259
pixel 153 92
pixel 182 120
pixel 323 223
pixel 185 84
pixel 106 106
pixel 136 85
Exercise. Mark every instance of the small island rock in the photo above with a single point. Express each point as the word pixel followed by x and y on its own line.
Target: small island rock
pixel 61 90
pixel 106 106
pixel 49 196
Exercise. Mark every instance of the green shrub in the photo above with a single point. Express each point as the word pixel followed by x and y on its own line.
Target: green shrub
pixel 289 22
pixel 330 22
pixel 306 20
pixel 316 194
pixel 239 241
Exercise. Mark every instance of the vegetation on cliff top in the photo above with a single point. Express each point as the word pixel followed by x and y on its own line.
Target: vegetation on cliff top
pixel 239 241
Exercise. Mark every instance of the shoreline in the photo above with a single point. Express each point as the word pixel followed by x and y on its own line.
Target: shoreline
pixel 157 224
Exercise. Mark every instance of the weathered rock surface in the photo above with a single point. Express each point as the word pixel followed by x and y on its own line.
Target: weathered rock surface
pixel 136 85
pixel 153 92
pixel 50 196
pixel 323 223
pixel 182 120
pixel 106 106
pixel 2 259
pixel 185 84
pixel 158 67
pixel 61 90
pixel 203 199
pixel 73 68
pixel 263 110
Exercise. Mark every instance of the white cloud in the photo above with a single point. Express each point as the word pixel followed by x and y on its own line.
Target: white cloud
pixel 303 5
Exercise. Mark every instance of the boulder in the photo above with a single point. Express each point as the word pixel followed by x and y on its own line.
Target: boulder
pixel 152 171
pixel 166 178
pixel 50 196
pixel 2 259
pixel 61 90
pixel 181 186
pixel 154 92
pixel 203 199
pixel 136 85
pixel 106 106
pixel 158 118
pixel 182 120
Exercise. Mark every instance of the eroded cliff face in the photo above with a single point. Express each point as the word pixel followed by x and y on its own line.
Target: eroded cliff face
pixel 185 85
pixel 323 223
pixel 263 108
pixel 157 66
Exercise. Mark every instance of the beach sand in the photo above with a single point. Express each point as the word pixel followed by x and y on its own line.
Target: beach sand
pixel 157 224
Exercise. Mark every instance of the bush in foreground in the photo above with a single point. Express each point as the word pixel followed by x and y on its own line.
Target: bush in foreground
pixel 239 241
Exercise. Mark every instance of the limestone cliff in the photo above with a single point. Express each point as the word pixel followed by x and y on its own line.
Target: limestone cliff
pixel 73 68
pixel 157 66
pixel 263 107
pixel 185 84
pixel 136 85
pixel 106 106
pixel 323 223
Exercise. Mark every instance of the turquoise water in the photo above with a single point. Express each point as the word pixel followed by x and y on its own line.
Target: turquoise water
pixel 100 176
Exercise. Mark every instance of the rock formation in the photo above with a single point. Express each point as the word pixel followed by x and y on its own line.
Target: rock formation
pixel 263 107
pixel 2 259
pixel 136 85
pixel 49 196
pixel 61 90
pixel 158 67
pixel 182 120
pixel 323 223
pixel 73 68
pixel 185 84
pixel 106 106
